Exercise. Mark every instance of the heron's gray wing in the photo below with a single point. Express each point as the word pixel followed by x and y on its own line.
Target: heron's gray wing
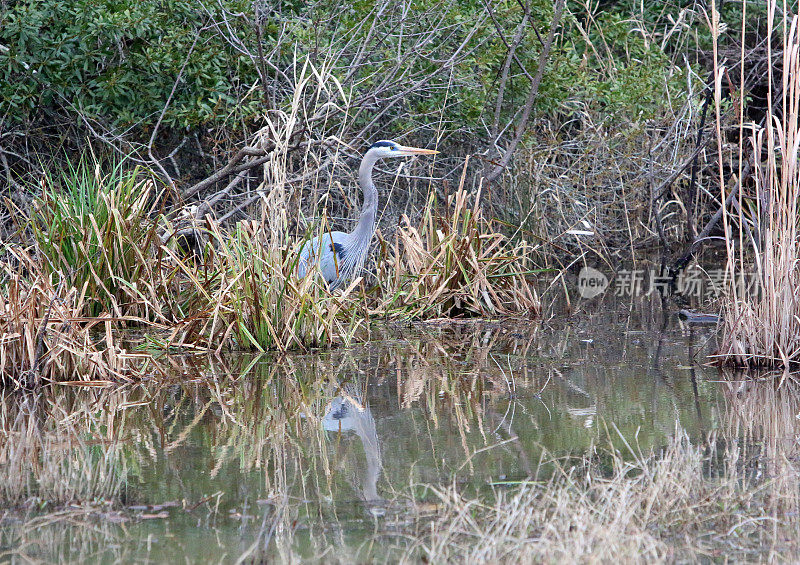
pixel 332 257
pixel 327 251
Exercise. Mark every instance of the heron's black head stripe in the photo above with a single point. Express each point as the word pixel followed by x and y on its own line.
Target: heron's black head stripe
pixel 382 144
pixel 341 413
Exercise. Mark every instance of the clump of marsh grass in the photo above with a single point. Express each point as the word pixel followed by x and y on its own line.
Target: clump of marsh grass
pixel 258 302
pixel 43 334
pixel 762 325
pixel 457 264
pixel 93 230
pixel 654 508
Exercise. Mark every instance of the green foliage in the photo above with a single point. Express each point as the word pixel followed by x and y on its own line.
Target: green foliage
pixel 117 62
pixel 617 68
pixel 607 66
pixel 91 229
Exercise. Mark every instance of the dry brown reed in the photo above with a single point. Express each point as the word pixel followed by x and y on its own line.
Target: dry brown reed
pixel 44 335
pixel 655 508
pixel 457 264
pixel 762 320
pixel 254 299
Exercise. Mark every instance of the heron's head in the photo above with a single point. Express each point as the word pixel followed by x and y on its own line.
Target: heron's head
pixel 383 149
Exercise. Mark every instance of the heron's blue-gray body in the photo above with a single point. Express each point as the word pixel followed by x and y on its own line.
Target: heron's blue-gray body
pixel 332 258
pixel 349 412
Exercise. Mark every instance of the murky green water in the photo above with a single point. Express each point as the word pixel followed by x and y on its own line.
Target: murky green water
pixel 327 455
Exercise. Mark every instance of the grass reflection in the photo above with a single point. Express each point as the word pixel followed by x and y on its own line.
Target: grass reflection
pixel 352 454
pixel 734 495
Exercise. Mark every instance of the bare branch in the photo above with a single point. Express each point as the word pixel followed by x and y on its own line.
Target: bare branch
pixel 523 122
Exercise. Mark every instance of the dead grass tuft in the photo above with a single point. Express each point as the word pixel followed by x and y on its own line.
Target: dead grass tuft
pixel 657 508
pixel 44 336
pixel 255 300
pixel 457 265
pixel 762 318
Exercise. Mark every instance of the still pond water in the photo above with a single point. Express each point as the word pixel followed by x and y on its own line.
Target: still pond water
pixel 327 455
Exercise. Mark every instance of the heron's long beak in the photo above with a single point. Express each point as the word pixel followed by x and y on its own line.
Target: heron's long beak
pixel 419 151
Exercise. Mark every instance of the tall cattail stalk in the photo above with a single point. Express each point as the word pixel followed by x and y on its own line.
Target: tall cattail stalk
pixel 762 319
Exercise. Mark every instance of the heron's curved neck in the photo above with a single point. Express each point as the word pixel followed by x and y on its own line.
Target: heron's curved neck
pixel 366 220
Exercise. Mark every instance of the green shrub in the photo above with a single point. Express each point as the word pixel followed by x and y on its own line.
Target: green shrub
pixel 117 62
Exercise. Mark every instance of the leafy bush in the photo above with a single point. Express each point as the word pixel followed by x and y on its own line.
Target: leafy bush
pixel 117 62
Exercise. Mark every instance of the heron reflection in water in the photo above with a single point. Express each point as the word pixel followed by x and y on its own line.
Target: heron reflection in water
pixel 346 413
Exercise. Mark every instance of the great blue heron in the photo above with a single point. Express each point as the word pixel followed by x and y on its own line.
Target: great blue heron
pixel 341 255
